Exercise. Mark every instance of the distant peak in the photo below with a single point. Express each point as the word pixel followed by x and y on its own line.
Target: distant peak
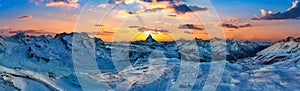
pixel 291 39
pixel 19 36
pixel 150 39
pixel 71 34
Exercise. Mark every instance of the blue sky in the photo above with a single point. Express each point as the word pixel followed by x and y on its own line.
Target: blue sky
pixel 234 8
pixel 62 18
pixel 226 8
pixel 248 8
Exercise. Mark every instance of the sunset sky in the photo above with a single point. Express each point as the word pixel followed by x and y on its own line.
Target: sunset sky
pixel 118 20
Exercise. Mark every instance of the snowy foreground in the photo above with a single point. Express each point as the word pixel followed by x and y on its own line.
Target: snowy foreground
pixel 45 63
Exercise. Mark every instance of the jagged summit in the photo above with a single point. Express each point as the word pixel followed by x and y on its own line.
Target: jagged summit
pixel 150 39
pixel 291 39
pixel 19 36
pixel 281 51
pixel 41 57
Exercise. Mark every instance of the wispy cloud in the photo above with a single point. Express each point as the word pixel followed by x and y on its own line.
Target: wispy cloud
pixel 25 17
pixel 188 32
pixel 108 33
pixel 148 6
pixel 131 7
pixel 134 26
pixel 291 13
pixel 245 25
pixel 228 25
pixel 155 1
pixel 31 32
pixel 148 1
pixel 144 29
pixel 183 8
pixel 5 30
pixel 36 1
pixel 99 25
pixel 190 26
pixel 63 3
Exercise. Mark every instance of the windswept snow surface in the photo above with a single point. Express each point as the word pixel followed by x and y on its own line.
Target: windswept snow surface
pixel 45 63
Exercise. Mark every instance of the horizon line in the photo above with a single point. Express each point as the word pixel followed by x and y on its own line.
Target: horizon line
pixel 53 35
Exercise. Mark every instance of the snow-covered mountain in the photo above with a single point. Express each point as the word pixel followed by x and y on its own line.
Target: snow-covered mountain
pixel 2 44
pixel 284 50
pixel 46 62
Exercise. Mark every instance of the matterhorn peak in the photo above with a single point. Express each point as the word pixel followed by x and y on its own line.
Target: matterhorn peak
pixel 150 38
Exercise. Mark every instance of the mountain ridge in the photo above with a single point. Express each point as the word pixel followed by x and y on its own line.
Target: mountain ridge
pixel 48 61
pixel 236 49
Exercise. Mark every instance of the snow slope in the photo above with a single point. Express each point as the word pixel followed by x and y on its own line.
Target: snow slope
pixel 281 51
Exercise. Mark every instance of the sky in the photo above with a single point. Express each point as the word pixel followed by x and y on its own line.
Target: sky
pixel 165 20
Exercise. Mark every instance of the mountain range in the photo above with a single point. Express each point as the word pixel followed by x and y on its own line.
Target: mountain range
pixel 46 62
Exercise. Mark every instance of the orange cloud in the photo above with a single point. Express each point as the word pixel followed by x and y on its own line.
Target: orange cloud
pixel 99 33
pixel 149 30
pixel 64 3
pixel 137 7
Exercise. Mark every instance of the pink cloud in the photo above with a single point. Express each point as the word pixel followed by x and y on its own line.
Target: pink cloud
pixel 64 3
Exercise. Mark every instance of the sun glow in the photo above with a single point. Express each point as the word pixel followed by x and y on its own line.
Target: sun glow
pixel 156 35
pixel 147 33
